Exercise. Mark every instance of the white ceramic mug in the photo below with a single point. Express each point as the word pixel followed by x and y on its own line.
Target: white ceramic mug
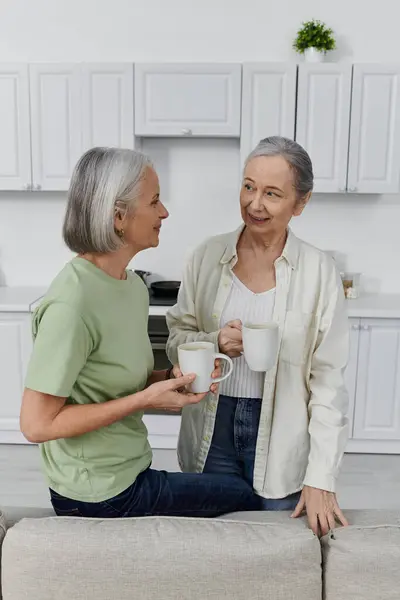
pixel 199 358
pixel 260 345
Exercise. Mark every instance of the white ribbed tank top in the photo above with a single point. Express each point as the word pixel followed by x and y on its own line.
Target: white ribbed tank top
pixel 243 304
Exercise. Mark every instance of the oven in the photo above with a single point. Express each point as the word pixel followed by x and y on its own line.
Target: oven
pixel 158 334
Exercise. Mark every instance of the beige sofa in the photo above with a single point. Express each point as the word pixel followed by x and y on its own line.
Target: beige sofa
pixel 242 556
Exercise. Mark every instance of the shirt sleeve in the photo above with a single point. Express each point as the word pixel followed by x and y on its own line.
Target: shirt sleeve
pixel 181 318
pixel 329 399
pixel 61 347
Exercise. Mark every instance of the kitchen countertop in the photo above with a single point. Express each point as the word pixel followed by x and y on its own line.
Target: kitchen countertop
pixel 370 306
pixel 19 299
pixel 375 306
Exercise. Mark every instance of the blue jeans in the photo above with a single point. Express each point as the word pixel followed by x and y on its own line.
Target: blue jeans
pixel 233 446
pixel 162 493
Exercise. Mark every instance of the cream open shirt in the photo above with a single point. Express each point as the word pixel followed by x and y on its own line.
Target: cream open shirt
pixel 303 425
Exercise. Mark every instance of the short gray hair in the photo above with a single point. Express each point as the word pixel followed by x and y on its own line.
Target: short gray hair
pixel 104 180
pixel 296 157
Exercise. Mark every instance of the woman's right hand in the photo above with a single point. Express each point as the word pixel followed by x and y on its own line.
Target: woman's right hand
pixel 171 394
pixel 230 339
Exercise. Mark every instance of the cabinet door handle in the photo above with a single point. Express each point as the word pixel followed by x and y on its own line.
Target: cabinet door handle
pixel 37 187
pixel 159 346
pixel 355 327
pixel 352 189
pixel 366 327
pixel 27 187
pixel 187 132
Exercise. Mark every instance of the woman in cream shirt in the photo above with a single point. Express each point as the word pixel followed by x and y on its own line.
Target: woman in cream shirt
pixel 284 431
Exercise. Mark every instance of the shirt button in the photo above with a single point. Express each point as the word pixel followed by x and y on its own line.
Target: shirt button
pixel 206 438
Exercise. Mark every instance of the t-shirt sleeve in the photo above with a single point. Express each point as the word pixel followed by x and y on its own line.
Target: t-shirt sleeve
pixel 60 350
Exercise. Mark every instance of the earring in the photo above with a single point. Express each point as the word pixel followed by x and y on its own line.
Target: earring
pixel 120 233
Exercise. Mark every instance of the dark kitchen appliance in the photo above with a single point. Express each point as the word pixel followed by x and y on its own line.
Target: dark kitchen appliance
pixel 143 275
pixel 158 334
pixel 165 289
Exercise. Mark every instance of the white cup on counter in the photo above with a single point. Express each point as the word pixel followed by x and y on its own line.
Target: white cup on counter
pixel 260 345
pixel 199 358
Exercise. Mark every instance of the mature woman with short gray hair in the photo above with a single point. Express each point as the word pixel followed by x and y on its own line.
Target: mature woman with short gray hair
pixel 283 431
pixel 91 373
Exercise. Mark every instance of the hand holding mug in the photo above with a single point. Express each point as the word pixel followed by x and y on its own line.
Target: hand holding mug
pixel 199 358
pixel 177 373
pixel 230 339
pixel 167 395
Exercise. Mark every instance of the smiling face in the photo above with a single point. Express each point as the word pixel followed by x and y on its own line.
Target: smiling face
pixel 268 199
pixel 142 225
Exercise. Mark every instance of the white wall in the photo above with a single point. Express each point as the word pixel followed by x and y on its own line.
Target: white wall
pixel 199 178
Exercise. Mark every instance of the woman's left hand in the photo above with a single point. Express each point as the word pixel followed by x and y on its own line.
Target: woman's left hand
pixel 322 510
pixel 216 373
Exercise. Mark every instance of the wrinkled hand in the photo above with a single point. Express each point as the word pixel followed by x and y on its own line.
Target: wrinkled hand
pixel 172 394
pixel 216 373
pixel 322 510
pixel 230 339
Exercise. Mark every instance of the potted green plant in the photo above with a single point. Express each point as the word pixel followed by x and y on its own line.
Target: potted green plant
pixel 314 39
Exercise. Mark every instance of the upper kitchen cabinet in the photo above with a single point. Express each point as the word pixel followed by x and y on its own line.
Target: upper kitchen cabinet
pixel 107 105
pixel 374 154
pixel 55 124
pixel 15 162
pixel 268 103
pixel 187 99
pixel 322 125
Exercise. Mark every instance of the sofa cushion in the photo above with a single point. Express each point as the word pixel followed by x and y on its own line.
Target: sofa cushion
pixel 160 557
pixel 2 534
pixel 361 562
pixel 13 514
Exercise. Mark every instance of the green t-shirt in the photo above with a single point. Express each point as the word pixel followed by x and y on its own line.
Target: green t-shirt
pixel 91 345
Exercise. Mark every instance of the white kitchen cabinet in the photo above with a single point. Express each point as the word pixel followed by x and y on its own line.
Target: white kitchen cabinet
pixel 322 122
pixel 377 406
pixel 268 103
pixel 186 99
pixel 374 154
pixel 15 157
pixel 15 349
pixel 352 369
pixel 107 105
pixel 55 91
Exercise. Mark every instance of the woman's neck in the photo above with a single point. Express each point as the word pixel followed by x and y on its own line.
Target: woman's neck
pixel 112 263
pixel 271 245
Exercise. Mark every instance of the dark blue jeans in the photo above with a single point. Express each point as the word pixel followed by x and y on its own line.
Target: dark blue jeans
pixel 162 493
pixel 233 446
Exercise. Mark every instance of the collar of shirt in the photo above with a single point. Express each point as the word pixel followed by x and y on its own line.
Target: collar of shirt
pixel 290 251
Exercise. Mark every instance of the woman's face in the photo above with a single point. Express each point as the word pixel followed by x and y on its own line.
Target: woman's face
pixel 142 226
pixel 268 199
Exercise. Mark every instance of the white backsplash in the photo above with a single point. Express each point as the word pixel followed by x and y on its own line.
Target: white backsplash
pixel 199 185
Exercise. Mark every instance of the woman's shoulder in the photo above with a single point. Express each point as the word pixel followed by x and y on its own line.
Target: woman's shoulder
pixel 308 252
pixel 215 247
pixel 67 290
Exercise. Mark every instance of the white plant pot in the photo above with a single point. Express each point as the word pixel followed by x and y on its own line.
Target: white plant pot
pixel 312 55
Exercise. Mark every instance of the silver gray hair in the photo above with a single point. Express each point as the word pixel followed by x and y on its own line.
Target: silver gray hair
pixel 105 180
pixel 296 157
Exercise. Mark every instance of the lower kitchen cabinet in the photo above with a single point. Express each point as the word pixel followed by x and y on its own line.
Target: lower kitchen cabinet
pixel 372 378
pixel 15 349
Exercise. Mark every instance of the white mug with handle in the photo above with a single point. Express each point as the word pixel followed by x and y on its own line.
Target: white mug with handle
pixel 260 345
pixel 199 358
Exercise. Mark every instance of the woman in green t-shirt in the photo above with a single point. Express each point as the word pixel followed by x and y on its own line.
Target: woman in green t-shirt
pixel 91 373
